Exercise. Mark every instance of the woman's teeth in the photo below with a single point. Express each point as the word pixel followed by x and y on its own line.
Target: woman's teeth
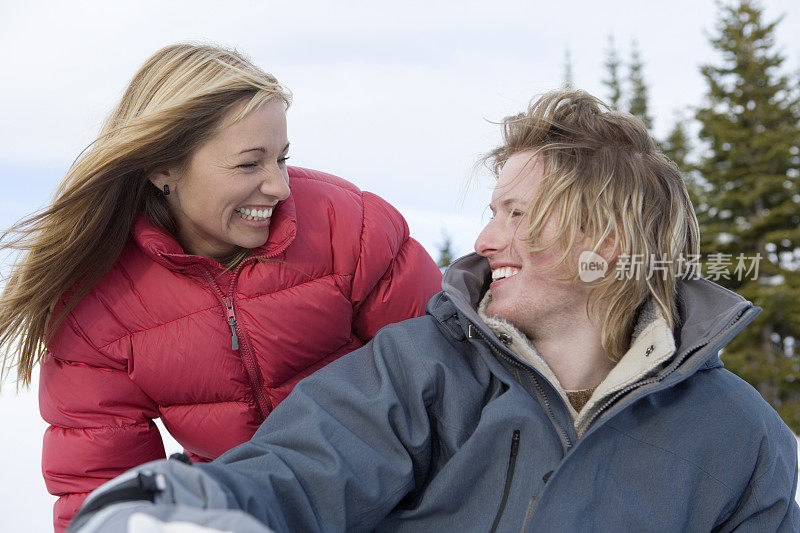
pixel 503 272
pixel 254 214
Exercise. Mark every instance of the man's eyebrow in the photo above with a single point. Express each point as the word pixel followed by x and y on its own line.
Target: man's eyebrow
pixel 506 203
pixel 509 202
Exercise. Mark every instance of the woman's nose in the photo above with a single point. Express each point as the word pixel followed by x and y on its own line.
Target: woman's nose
pixel 276 184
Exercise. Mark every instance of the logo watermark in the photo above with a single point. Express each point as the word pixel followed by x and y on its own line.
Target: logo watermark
pixel 717 266
pixel 591 266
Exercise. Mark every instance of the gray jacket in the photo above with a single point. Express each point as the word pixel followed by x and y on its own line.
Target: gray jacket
pixel 436 426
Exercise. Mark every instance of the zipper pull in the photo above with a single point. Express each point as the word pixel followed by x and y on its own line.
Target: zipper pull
pixel 232 324
pixel 234 338
pixel 515 443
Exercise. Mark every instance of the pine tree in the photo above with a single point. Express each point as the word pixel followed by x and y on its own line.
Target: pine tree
pixel 638 104
pixel 677 148
pixel 568 81
pixel 750 125
pixel 677 145
pixel 612 82
pixel 445 251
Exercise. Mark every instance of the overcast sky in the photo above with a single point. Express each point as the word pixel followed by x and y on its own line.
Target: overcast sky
pixel 397 97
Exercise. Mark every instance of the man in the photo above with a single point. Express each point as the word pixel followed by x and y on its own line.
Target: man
pixel 555 384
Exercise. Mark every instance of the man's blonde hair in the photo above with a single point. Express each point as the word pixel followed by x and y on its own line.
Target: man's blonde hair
pixel 607 184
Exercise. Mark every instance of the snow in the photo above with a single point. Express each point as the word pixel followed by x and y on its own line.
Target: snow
pixel 24 501
pixel 25 504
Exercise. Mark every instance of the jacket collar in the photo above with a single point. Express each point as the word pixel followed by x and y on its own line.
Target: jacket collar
pixel 711 316
pixel 162 248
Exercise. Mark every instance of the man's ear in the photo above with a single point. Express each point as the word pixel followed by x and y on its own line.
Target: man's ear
pixel 607 250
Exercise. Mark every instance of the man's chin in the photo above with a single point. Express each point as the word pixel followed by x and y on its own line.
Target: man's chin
pixel 496 311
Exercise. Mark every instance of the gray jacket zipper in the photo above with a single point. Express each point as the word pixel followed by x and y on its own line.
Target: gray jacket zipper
pixel 512 462
pixel 540 393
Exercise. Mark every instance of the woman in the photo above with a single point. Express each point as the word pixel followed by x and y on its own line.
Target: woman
pixel 185 272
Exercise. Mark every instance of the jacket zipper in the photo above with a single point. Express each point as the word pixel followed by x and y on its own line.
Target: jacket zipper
pixel 232 323
pixel 250 365
pixel 673 368
pixel 539 390
pixel 264 403
pixel 248 355
pixel 512 461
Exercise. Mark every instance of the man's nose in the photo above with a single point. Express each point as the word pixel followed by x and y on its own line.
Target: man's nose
pixel 489 239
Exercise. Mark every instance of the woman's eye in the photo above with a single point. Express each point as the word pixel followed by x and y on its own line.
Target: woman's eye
pixel 282 160
pixel 252 164
pixel 515 213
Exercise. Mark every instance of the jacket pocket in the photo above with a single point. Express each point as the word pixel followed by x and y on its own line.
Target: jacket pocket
pixel 512 462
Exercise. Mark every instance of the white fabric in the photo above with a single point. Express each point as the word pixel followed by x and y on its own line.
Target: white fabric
pixel 144 523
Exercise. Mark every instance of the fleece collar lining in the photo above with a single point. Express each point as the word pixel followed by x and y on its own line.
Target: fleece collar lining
pixel 652 345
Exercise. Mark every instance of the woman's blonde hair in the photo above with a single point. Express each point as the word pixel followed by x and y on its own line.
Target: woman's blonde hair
pixel 607 184
pixel 175 102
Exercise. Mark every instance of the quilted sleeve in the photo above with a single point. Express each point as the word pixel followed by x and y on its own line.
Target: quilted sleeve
pixel 101 423
pixel 395 277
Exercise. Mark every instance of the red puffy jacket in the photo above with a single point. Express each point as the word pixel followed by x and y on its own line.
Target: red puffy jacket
pixel 158 335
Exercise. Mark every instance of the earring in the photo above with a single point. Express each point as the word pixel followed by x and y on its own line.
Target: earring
pixel 166 190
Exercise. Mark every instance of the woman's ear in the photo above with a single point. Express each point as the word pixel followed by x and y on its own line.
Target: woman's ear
pixel 164 179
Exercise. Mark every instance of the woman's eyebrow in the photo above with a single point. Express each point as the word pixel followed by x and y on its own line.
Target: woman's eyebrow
pixel 257 149
pixel 261 149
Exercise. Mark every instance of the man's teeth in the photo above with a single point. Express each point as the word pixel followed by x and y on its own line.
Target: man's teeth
pixel 254 214
pixel 503 272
